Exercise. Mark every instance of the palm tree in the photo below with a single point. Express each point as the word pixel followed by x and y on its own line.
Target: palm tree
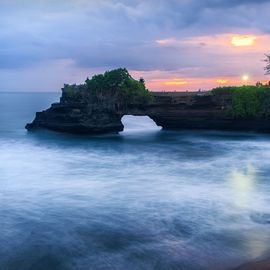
pixel 267 60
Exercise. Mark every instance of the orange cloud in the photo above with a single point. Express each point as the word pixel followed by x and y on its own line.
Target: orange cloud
pixel 243 40
pixel 227 42
pixel 176 83
pixel 222 81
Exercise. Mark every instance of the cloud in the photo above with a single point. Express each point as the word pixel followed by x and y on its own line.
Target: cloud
pixel 167 35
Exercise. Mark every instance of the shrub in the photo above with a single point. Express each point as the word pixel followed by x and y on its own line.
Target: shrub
pixel 69 90
pixel 245 101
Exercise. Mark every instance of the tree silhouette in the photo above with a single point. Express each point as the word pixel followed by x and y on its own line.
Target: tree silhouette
pixel 267 60
pixel 142 81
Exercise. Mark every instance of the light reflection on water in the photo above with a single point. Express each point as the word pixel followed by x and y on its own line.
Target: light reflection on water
pixel 139 200
pixel 244 185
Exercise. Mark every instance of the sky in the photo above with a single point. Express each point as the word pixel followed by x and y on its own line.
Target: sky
pixel 175 45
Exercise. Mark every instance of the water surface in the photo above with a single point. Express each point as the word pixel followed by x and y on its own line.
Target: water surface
pixel 144 199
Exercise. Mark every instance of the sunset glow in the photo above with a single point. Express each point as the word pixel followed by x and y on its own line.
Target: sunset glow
pixel 134 134
pixel 222 81
pixel 243 40
pixel 176 82
pixel 215 54
pixel 160 81
pixel 245 77
pixel 229 58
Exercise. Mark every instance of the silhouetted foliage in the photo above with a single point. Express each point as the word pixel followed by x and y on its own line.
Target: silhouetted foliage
pixel 267 60
pixel 245 101
pixel 142 80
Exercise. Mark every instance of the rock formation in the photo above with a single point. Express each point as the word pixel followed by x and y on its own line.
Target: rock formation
pixel 83 110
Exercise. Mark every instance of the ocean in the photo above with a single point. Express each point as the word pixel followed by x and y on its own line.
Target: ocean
pixel 142 199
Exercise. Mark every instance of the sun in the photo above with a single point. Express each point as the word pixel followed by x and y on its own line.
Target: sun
pixel 245 77
pixel 243 40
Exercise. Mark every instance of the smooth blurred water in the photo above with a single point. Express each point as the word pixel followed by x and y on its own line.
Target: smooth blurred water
pixel 144 199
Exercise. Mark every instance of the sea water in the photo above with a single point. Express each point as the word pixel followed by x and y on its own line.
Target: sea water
pixel 142 199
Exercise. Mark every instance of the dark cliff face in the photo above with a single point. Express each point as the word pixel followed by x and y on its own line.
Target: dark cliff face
pixel 96 106
pixel 84 114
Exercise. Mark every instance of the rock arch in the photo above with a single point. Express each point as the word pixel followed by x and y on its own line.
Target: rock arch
pixel 139 123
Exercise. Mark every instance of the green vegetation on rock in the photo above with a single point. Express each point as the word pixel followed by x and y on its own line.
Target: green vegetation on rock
pixel 113 86
pixel 69 90
pixel 245 101
pixel 121 86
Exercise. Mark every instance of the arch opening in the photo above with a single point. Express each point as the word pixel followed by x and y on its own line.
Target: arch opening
pixel 134 123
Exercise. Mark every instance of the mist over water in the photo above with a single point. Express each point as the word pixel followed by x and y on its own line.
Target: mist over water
pixel 143 199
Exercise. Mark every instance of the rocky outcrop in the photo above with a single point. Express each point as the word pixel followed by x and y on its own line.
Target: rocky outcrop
pixel 77 118
pixel 201 110
pixel 170 110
